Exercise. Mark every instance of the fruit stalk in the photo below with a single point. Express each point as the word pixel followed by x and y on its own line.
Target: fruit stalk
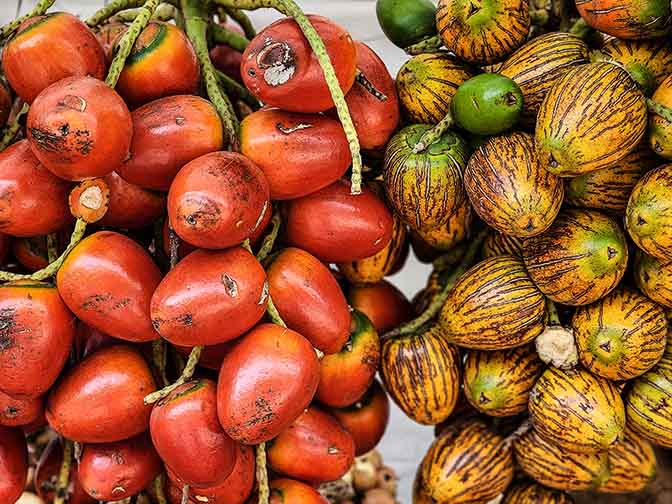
pixel 52 247
pixel 262 474
pixel 13 128
pixel 431 136
pixel 243 21
pixel 111 9
pixel 273 313
pixel 158 489
pixel 186 375
pixel 221 35
pixel 64 474
pixel 174 246
pixel 164 12
pixel 429 45
pixel 185 495
pixel 269 239
pixel 236 89
pixel 39 10
pixel 659 109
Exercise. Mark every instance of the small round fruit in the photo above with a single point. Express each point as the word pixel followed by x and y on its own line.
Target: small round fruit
pixel 660 129
pixel 627 19
pixel 406 22
pixel 654 278
pixel 17 412
pixel 13 464
pixel 382 303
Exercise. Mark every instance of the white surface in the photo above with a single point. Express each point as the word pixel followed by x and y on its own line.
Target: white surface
pixel 405 442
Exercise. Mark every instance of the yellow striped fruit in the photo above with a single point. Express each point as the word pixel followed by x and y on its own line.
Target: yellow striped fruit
pixel 483 31
pixel 499 383
pixel 498 244
pixel 421 373
pixel 621 336
pixel 632 465
pixel 659 134
pixel 577 410
pixel 426 85
pixel 654 278
pixel 534 493
pixel 579 259
pixel 509 189
pixel 539 63
pixel 450 234
pixel 494 306
pixel 425 189
pixel 559 468
pixel 648 217
pixel 592 117
pixel 466 464
pixel 609 189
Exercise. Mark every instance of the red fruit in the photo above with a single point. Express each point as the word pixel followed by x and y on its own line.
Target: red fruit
pixel 5 102
pixel 31 253
pixel 131 206
pixel 266 381
pixel 108 281
pixel 218 200
pixel 79 128
pixel 226 59
pixel 47 472
pixel 183 249
pixel 114 471
pixel 384 305
pixel 108 35
pixel 280 68
pixel 13 464
pixel 211 356
pixel 287 491
pixel 20 412
pixel 101 399
pixel 336 226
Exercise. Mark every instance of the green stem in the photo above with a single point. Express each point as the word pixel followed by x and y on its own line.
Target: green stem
pixel 52 247
pixel 61 492
pixel 433 135
pixel 659 109
pixel 40 9
pixel 13 128
pixel 429 45
pixel 158 489
pixel 109 10
pixel 262 474
pixel 269 239
pixel 242 20
pixel 539 17
pixel 552 312
pixel 164 12
pixel 236 89
pixel 221 35
pixel 580 28
pixel 186 375
pixel 273 313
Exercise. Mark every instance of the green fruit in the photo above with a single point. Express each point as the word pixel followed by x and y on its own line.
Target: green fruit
pixel 487 104
pixel 406 22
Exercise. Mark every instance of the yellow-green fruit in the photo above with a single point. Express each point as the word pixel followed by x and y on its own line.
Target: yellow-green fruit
pixel 559 468
pixel 466 464
pixel 592 117
pixel 534 493
pixel 539 63
pixel 494 306
pixel 450 234
pixel 498 244
pixel 509 189
pixel 648 217
pixel 632 465
pixel 660 129
pixel 654 278
pixel 426 85
pixel 499 383
pixel 483 31
pixel 620 336
pixel 577 410
pixel 579 259
pixel 421 373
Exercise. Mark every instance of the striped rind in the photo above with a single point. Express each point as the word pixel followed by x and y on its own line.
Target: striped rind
pixel 659 135
pixel 534 493
pixel 620 336
pixel 632 465
pixel 498 244
pixel 592 117
pixel 494 306
pixel 509 189
pixel 579 259
pixel 627 19
pixel 453 232
pixel 577 410
pixel 651 59
pixel 654 278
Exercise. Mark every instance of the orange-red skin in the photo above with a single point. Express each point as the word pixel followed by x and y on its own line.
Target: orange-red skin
pixel 101 399
pixel 167 134
pixel 625 19
pixel 114 471
pixel 338 227
pixel 108 35
pixel 50 48
pixel 19 412
pixel 162 63
pixel 266 381
pixel 309 299
pixel 37 330
pixel 326 449
pixel 210 297
pixel 384 305
pixel 108 281
pixel 48 468
pixel 226 59
pixel 218 200
pixel 13 464
pixel 283 46
pixel 298 153
pixel 31 253
pixel 211 356
pixel 89 340
pixel 33 201
pixel 288 491
pixel 79 128
pixel 131 206
pixel 186 433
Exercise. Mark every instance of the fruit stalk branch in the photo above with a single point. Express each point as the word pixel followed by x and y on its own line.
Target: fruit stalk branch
pixel 109 10
pixel 158 489
pixel 269 239
pixel 552 311
pixel 243 21
pixel 262 474
pixel 659 109
pixel 431 136
pixel 237 90
pixel 429 45
pixel 273 313
pixel 63 481
pixel 164 12
pixel 186 375
pixel 173 246
pixel 185 495
pixel 13 128
pixel 221 35
pixel 40 9
pixel 52 247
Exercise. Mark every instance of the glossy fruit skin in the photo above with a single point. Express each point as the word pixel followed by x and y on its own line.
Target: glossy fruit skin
pixel 534 493
pixel 494 306
pixel 632 465
pixel 298 153
pixel 280 68
pixel 425 189
pixel 288 491
pixel 265 383
pixel 108 281
pixel 131 206
pixel 210 297
pixel 466 463
pixel 426 85
pixel 627 19
pixel 568 141
pixel 35 339
pixel 13 463
pixel 509 189
pixel 309 299
pixel 484 32
pixel 382 303
pixel 32 200
pixel 226 59
pixel 185 423
pixel 498 244
pixel 218 200
pixel 427 244
pixel 19 412
pixel 107 35
pixel 49 48
pixel 327 449
pixel 336 226
pixel 659 133
pixel 421 373
pixel 577 410
pixel 162 63
pixel 654 279
pixel 563 276
pixel 114 471
pixel 539 63
pixel 406 22
pixel 620 336
pixel 556 467
pixel 167 134
pixel 47 472
pixel 31 253
pixel 499 383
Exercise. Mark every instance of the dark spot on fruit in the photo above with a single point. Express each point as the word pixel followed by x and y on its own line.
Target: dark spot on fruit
pixel 611 252
pixel 640 221
pixel 482 399
pixel 11 411
pixel 529 226
pixel 606 346
pixel 179 120
pixel 473 9
pixel 186 319
pixel 7 327
pixel 646 276
pixel 230 285
pixel 252 72
pixel 64 129
pixel 47 141
pixel 552 161
pixel 511 99
pixel 657 147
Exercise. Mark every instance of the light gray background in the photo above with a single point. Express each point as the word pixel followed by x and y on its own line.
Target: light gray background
pixel 405 442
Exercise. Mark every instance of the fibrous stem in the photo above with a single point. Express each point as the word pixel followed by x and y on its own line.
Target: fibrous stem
pixel 63 481
pixel 186 375
pixel 221 35
pixel 109 10
pixel 236 89
pixel 429 45
pixel 40 9
pixel 433 135
pixel 262 474
pixel 13 128
pixel 659 109
pixel 269 239
pixel 243 21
